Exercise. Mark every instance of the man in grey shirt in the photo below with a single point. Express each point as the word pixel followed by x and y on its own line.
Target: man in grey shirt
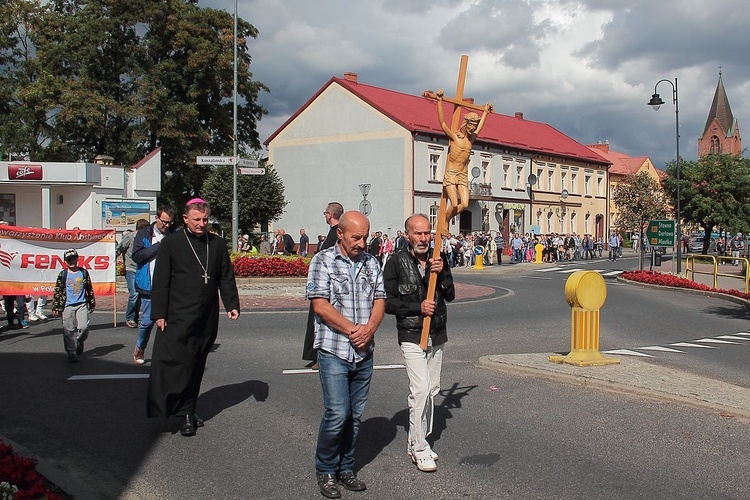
pixel 125 248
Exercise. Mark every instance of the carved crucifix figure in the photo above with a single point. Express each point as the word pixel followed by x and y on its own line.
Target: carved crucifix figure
pixel 456 179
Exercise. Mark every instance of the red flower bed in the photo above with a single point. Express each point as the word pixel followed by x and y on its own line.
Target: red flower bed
pixel 663 279
pixel 269 266
pixel 21 472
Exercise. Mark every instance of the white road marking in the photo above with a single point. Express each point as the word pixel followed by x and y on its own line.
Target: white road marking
pixel 743 333
pixel 310 370
pixel 612 273
pixel 549 269
pixel 658 348
pixel 535 277
pixel 688 344
pixel 715 341
pixel 571 271
pixel 627 352
pixel 731 337
pixel 109 377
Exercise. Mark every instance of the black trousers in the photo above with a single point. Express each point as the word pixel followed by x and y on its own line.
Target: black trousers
pixel 308 353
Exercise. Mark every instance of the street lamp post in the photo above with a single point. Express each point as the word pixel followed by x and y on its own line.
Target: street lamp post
pixel 655 103
pixel 235 199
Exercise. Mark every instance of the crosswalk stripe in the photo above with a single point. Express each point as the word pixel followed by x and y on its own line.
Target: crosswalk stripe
pixel 743 333
pixel 732 337
pixel 688 344
pixel 571 271
pixel 310 370
pixel 715 341
pixel 627 352
pixel 549 269
pixel 612 273
pixel 658 348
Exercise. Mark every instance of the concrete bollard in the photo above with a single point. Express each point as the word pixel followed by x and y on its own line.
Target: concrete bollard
pixel 585 292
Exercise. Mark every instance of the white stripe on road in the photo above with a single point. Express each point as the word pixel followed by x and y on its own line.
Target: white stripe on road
pixel 310 370
pixel 612 273
pixel 571 271
pixel 549 269
pixel 688 344
pixel 731 337
pixel 743 333
pixel 715 341
pixel 658 348
pixel 627 352
pixel 109 377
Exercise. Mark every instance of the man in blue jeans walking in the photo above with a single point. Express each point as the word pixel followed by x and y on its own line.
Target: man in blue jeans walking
pixel 145 246
pixel 345 287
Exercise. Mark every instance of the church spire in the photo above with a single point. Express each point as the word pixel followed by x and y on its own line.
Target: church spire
pixel 721 133
pixel 720 110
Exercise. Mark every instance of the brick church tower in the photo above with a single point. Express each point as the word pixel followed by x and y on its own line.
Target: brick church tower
pixel 721 133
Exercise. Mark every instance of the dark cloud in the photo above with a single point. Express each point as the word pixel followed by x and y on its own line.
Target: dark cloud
pixel 507 29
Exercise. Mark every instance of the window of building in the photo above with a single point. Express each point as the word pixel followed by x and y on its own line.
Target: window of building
pixel 573 182
pixel 563 180
pixel 434 210
pixel 8 208
pixel 539 178
pixel 572 222
pixel 519 177
pixel 434 174
pixel 599 185
pixel 715 145
pixel 587 185
pixel 506 176
pixel 550 178
pixel 485 175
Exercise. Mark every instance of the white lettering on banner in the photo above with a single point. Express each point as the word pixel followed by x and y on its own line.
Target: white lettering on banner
pixel 31 259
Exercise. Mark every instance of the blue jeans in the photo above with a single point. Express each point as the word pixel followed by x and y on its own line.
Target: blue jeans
pixel 517 255
pixel 146 324
pixel 131 313
pixel 345 389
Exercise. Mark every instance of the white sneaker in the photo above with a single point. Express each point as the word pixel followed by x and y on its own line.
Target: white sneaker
pixel 33 317
pixel 40 315
pixel 425 464
pixel 434 455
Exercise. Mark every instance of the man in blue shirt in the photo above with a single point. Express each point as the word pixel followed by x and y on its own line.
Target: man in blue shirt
pixel 614 244
pixel 345 287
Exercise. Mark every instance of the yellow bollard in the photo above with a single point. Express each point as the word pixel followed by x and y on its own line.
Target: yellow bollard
pixel 539 248
pixel 585 292
pixel 478 258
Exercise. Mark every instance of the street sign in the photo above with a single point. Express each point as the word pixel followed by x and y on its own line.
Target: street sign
pixel 252 170
pixel 247 162
pixel 660 233
pixel 365 207
pixel 214 160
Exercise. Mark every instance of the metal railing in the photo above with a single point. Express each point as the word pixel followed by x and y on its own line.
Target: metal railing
pixel 715 260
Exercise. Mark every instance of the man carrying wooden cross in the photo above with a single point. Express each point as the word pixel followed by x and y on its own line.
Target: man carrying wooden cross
pixel 456 179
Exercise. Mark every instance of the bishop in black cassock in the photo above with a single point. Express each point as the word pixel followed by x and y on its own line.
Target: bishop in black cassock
pixel 191 270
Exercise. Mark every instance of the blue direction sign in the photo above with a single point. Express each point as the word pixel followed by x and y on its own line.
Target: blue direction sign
pixel 660 233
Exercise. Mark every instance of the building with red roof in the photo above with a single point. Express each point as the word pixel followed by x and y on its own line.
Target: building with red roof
pixel 623 165
pixel 721 133
pixel 384 152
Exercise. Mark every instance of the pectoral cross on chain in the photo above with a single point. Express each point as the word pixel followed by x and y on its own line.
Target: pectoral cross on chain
pixel 205 277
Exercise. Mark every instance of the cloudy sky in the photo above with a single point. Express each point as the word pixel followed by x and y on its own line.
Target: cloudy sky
pixel 586 67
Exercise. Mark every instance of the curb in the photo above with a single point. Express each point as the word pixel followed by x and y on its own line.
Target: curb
pixel 705 293
pixel 611 385
pixel 53 474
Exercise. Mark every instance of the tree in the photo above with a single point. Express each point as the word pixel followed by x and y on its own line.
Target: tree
pixel 638 199
pixel 714 192
pixel 121 77
pixel 261 197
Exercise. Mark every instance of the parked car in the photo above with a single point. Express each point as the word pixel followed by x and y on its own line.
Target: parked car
pixel 696 244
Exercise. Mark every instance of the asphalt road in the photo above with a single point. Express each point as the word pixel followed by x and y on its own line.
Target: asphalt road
pixel 499 435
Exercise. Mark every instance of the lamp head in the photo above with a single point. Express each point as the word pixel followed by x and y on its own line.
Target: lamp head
pixel 655 102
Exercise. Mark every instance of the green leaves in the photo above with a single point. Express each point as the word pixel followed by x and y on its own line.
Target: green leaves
pixel 638 198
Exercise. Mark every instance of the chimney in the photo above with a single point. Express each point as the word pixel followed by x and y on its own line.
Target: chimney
pixel 519 115
pixel 350 76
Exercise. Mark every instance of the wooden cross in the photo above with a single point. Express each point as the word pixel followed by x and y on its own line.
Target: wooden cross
pixel 458 103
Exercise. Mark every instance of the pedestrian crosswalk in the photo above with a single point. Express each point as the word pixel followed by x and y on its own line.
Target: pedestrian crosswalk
pixel 739 338
pixel 571 270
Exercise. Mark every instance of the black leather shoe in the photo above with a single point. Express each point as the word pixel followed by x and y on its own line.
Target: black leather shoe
pixel 188 425
pixel 198 421
pixel 328 486
pixel 350 481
